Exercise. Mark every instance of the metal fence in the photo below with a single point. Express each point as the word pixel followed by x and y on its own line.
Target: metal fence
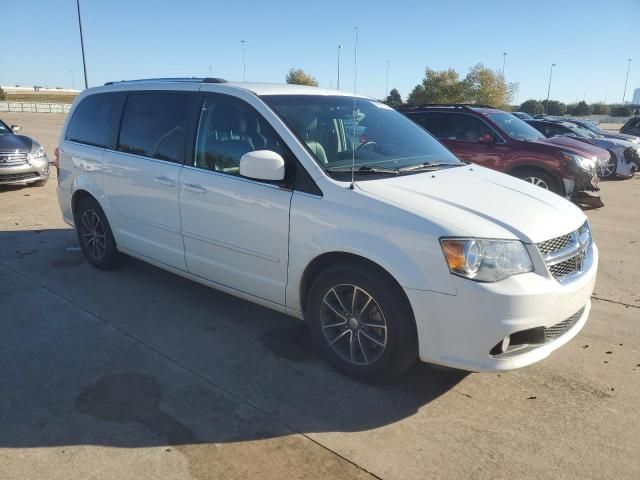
pixel 35 107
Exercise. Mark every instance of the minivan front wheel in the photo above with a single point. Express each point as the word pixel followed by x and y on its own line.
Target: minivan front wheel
pixel 95 237
pixel 362 323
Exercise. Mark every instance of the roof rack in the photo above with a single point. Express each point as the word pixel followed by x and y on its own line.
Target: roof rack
pixel 466 106
pixel 172 79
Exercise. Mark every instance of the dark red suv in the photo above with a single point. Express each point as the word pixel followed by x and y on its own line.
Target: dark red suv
pixel 501 141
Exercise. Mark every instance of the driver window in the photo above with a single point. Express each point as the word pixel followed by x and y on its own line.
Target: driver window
pixel 466 128
pixel 229 128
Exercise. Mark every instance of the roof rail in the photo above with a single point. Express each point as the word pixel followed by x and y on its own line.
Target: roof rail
pixel 172 79
pixel 468 106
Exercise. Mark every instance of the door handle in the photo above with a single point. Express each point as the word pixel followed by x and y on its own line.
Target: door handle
pixel 165 181
pixel 195 188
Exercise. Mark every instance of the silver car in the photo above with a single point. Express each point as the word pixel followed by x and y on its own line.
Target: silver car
pixel 23 161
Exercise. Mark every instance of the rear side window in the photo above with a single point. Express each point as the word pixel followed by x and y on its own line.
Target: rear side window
pixel 94 120
pixel 153 125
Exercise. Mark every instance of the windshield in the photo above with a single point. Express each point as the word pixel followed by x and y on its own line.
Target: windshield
pixel 578 130
pixel 514 127
pixel 4 128
pixel 594 128
pixel 376 135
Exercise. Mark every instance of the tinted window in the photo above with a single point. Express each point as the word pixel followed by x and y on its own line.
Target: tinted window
pixel 153 125
pixel 229 128
pixel 433 122
pixel 465 128
pixel 94 118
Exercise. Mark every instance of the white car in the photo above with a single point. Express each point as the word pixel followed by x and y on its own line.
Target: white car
pixel 248 188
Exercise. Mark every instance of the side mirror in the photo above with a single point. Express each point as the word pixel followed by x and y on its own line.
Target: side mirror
pixel 16 128
pixel 487 139
pixel 262 165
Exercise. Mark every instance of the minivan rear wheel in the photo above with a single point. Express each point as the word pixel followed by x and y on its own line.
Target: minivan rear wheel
pixel 540 178
pixel 95 237
pixel 362 323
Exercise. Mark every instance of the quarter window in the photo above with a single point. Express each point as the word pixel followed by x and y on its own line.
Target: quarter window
pixel 229 128
pixel 153 125
pixel 94 119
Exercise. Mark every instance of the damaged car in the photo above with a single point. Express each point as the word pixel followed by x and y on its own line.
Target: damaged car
pixel 624 158
pixel 501 141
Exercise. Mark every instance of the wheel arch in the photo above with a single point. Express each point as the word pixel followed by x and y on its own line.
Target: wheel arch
pixel 531 165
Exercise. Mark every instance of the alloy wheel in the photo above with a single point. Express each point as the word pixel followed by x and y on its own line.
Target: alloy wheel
pixel 608 170
pixel 93 234
pixel 537 181
pixel 353 324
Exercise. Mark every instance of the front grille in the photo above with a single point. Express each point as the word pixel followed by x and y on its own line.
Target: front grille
pixel 554 245
pixel 565 256
pixel 11 158
pixel 554 331
pixel 17 177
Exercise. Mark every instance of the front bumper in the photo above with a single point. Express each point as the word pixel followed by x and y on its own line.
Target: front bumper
pixel 34 171
pixel 461 330
pixel 583 180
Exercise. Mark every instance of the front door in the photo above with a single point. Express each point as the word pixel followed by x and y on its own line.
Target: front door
pixel 235 230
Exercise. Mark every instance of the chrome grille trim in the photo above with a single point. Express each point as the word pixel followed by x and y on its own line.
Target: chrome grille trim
pixel 11 158
pixel 555 331
pixel 565 255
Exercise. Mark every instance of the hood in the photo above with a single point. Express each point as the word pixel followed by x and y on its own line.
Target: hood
pixel 9 141
pixel 579 147
pixel 478 202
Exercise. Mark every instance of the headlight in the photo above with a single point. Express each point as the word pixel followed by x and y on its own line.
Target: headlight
pixel 584 234
pixel 37 151
pixel 486 260
pixel 588 164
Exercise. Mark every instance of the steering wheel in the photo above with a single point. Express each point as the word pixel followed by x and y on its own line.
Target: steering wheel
pixel 366 145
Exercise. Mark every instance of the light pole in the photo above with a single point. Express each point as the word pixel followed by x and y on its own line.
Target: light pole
pixel 626 80
pixel 504 62
pixel 210 69
pixel 386 91
pixel 339 50
pixel 84 62
pixel 546 107
pixel 73 80
pixel 244 65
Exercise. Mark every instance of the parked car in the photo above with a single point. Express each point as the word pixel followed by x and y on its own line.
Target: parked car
pixel 522 115
pixel 498 140
pixel 624 157
pixel 23 161
pixel 594 128
pixel 632 127
pixel 333 209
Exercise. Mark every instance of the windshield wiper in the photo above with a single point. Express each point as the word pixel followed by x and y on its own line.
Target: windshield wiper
pixel 426 166
pixel 363 169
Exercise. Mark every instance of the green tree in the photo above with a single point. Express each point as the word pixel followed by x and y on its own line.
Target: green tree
pixel 601 109
pixel 621 111
pixel 554 108
pixel 297 76
pixel 582 109
pixel 485 87
pixel 438 87
pixel 3 94
pixel 394 98
pixel 532 107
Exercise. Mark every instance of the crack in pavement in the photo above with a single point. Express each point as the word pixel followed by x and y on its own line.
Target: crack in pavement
pixel 614 301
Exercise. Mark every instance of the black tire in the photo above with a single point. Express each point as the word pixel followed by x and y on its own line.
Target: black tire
pixel 95 237
pixel 388 305
pixel 539 178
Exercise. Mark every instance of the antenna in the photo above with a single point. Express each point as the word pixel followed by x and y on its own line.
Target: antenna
pixel 355 91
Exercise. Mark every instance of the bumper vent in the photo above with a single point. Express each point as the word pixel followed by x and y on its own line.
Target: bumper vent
pixel 17 177
pixel 555 331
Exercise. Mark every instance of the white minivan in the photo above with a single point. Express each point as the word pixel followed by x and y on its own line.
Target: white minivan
pixel 331 208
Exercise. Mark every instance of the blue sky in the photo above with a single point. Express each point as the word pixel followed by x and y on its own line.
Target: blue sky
pixel 589 40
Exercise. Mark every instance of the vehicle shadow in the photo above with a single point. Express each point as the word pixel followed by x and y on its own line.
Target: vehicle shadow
pixel 141 357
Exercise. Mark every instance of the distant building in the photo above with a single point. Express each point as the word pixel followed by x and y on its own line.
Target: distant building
pixel 636 96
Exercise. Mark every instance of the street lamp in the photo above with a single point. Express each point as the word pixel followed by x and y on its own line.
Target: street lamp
pixel 504 62
pixel 546 107
pixel 339 50
pixel 626 80
pixel 84 62
pixel 210 69
pixel 244 65
pixel 386 91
